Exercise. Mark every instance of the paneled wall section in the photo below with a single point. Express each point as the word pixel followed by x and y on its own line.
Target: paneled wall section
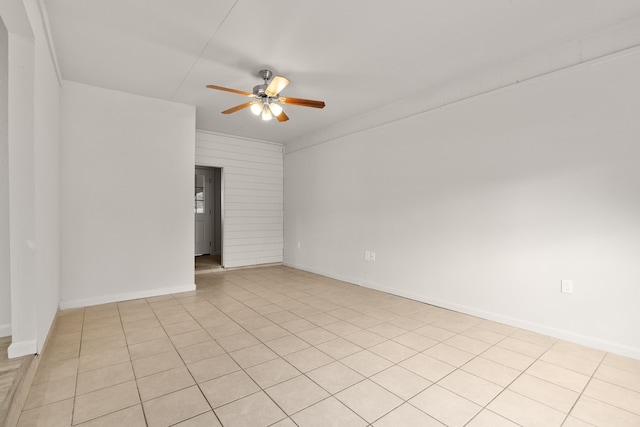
pixel 252 180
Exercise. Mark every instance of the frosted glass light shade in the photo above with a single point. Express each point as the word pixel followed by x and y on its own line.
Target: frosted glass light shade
pixel 275 109
pixel 256 109
pixel 266 113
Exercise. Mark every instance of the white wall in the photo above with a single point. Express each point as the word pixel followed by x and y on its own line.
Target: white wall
pixel 47 178
pixel 22 236
pixel 252 196
pixel 127 196
pixel 5 266
pixel 485 205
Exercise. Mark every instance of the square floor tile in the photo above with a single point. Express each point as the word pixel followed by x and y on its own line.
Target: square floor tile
pixel 105 401
pixel 197 352
pixel 522 347
pixel 366 363
pixel 487 418
pixel 156 363
pixel 102 360
pixel 50 392
pixel 335 377
pixel 269 333
pixel 144 335
pixel 56 414
pixel 365 339
pixel 253 355
pixel 393 351
pixel 508 358
pixel 451 355
pixel 598 413
pixel 164 382
pixel 435 333
pixel 618 377
pixel 287 344
pixel 228 388
pixel 427 367
pixel 407 416
pixel 213 367
pixel 308 359
pixel 524 411
pixel 491 371
pixel 56 370
pixel 338 348
pixel 175 407
pixel 445 406
pixel 256 410
pixel 329 412
pixel 401 382
pixel 485 335
pixel 296 394
pixel 150 348
pixel 208 419
pixel 369 400
pixel 132 416
pixel 471 387
pixel 545 392
pixel 415 341
pixel 316 335
pixel 190 338
pixel 272 372
pixel 387 330
pixel 105 377
pixel 557 375
pixel 614 395
pixel 237 341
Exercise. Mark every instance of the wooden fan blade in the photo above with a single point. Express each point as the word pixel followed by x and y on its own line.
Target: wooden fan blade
pixel 226 89
pixel 275 87
pixel 238 107
pixel 301 102
pixel 282 117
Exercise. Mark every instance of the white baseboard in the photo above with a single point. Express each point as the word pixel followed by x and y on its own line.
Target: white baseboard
pixel 585 340
pixel 106 299
pixel 5 330
pixel 22 348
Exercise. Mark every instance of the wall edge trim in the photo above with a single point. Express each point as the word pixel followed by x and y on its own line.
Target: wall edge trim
pixel 22 348
pixel 105 299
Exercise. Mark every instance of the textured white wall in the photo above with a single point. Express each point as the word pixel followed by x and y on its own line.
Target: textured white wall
pixel 127 196
pixel 253 196
pixel 483 206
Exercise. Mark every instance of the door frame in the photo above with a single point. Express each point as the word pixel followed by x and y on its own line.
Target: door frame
pixel 222 192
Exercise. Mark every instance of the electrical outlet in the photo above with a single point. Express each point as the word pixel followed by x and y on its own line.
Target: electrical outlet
pixel 373 256
pixel 566 286
pixel 367 256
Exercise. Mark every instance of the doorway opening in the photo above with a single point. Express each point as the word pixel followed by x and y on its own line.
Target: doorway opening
pixel 208 219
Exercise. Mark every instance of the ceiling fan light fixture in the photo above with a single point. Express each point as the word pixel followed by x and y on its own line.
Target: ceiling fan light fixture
pixel 275 109
pixel 266 113
pixel 256 108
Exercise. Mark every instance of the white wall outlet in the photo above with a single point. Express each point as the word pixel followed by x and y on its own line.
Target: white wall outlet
pixel 367 255
pixel 373 256
pixel 566 286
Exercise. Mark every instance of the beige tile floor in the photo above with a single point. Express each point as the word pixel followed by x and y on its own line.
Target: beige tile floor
pixel 274 346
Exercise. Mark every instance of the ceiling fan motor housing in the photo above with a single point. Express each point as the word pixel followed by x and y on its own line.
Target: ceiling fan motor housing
pixel 259 90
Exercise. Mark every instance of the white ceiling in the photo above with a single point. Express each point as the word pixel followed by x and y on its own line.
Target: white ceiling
pixel 356 55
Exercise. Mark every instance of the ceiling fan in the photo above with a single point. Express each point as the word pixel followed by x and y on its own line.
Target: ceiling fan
pixel 267 98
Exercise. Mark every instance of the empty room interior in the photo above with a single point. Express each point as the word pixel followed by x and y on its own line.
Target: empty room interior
pixel 248 213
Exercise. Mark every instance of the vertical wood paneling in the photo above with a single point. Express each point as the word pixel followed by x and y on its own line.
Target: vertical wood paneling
pixel 253 196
